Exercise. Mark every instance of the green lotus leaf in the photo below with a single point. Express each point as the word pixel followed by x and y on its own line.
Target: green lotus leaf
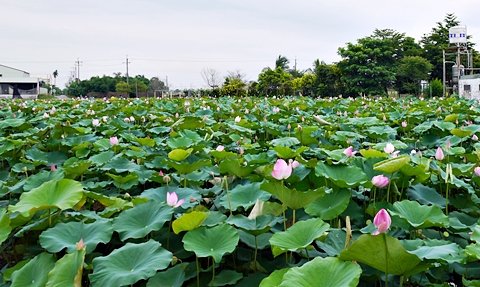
pixel 36 155
pixel 172 277
pixel 38 179
pixel 255 226
pixel 160 194
pixel 334 242
pixel 244 196
pixel 461 133
pixel 330 205
pixel 391 165
pixel 146 142
pixel 342 176
pixel 226 277
pixel 142 219
pixel 438 250
pixel 120 164
pixel 35 272
pixel 74 167
pixel 233 166
pixel 285 141
pixel 187 166
pixel 180 154
pixel 124 182
pixel 382 252
pixel 426 195
pixel 214 242
pixel 5 227
pixel 66 235
pixel 260 241
pixel 368 153
pixel 444 126
pixel 472 251
pixel 325 272
pixel 102 158
pixel 300 235
pixel 451 118
pixel 189 221
pixel 291 197
pixel 419 216
pixel 129 264
pixel 286 152
pixel 274 279
pixel 68 270
pixel 62 194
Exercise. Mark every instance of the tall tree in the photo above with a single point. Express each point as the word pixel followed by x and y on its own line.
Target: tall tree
pixel 368 66
pixel 282 62
pixel 274 82
pixel 410 72
pixel 434 42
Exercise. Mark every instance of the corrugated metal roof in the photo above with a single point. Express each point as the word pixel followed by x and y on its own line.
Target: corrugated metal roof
pixel 475 76
pixel 18 80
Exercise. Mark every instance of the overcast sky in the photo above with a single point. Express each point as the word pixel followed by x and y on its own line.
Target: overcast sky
pixel 179 38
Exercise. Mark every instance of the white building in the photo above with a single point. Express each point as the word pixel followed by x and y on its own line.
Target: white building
pixel 469 86
pixel 12 79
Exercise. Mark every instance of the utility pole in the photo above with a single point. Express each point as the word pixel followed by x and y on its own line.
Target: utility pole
pixel 295 67
pixel 77 64
pixel 127 62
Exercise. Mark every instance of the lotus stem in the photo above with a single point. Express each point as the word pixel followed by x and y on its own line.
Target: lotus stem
pixel 401 281
pixel 283 210
pixel 213 270
pixel 198 271
pixel 228 194
pixel 255 255
pixel 386 258
pixel 446 200
pixel 293 217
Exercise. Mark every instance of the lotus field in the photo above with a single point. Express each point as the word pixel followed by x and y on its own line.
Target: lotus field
pixel 240 192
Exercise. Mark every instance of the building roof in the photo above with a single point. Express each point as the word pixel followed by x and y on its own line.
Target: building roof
pixel 15 69
pixel 18 80
pixel 469 77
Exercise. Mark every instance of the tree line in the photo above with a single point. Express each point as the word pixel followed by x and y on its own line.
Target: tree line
pixel 386 60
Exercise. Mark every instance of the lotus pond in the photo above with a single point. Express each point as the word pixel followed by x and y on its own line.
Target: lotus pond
pixel 240 192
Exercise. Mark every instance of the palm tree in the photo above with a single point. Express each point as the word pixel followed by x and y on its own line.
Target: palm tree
pixel 55 75
pixel 282 62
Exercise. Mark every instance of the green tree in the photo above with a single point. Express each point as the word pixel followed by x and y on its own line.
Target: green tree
pixel 234 87
pixel 434 42
pixel 122 87
pixel 282 62
pixel 156 84
pixel 274 82
pixel 410 72
pixel 328 79
pixel 368 66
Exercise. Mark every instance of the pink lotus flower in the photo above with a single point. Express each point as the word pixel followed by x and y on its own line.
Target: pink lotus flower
pixel 160 173
pixel 238 119
pixel 439 154
pixel 380 180
pixel 281 170
pixel 220 148
pixel 113 140
pixel 475 138
pixel 404 124
pixel 95 122
pixel 447 144
pixel 382 221
pixel 349 151
pixel 389 148
pixel 172 200
pixel 53 168
pixel 477 170
pixel 293 163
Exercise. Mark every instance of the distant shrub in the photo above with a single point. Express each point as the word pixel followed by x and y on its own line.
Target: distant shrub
pixel 434 88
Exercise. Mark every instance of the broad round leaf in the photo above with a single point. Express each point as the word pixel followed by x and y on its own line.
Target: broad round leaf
pixel 214 242
pixel 275 278
pixel 391 165
pixel 68 270
pixel 5 228
pixel 172 277
pixel 330 205
pixel 255 226
pixel 300 235
pixel 62 194
pixel 226 277
pixel 244 196
pixel 179 154
pixel 129 264
pixel 142 219
pixel 325 272
pixel 66 235
pixel 342 176
pixel 381 251
pixel 189 221
pixel 35 272
pixel 419 216
pixel 292 198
